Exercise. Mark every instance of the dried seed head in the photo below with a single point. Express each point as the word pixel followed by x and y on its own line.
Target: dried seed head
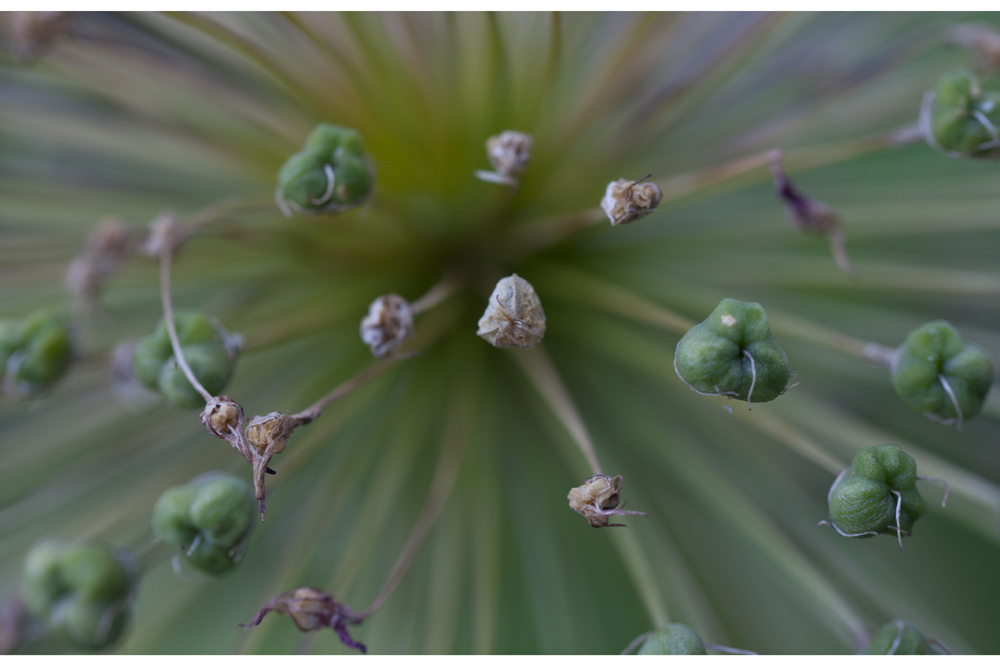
pixel 33 33
pixel 222 416
pixel 389 322
pixel 268 434
pixel 597 499
pixel 165 231
pixel 106 246
pixel 514 315
pixel 311 609
pixel 509 153
pixel 627 200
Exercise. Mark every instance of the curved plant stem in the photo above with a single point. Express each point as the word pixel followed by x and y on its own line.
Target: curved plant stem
pixel 166 255
pixel 444 288
pixel 636 642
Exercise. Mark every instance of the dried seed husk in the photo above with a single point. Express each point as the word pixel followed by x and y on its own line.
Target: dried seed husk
pixel 387 325
pixel 628 200
pixel 514 316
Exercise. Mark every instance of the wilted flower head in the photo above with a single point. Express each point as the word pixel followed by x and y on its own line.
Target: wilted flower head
pixel 431 485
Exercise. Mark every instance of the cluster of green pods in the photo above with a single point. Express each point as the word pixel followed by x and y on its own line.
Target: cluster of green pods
pixel 961 118
pixel 34 352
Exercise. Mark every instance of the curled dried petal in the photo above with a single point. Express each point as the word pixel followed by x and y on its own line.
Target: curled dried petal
pixel 598 498
pixel 311 609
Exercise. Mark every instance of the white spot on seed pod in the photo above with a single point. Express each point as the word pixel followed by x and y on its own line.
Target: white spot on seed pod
pixel 627 200
pixel 388 323
pixel 729 320
pixel 514 315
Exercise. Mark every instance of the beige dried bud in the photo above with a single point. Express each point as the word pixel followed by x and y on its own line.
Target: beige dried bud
pixel 509 153
pixel 627 200
pixel 106 246
pixel 268 434
pixel 33 33
pixel 224 417
pixel 165 232
pixel 598 498
pixel 389 322
pixel 514 315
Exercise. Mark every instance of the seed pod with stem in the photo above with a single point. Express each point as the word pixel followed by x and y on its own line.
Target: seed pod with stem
pixel 935 372
pixel 628 200
pixel 82 592
pixel 34 353
pixel 733 353
pixel 209 519
pixel 509 153
pixel 960 119
pixel 331 174
pixel 877 494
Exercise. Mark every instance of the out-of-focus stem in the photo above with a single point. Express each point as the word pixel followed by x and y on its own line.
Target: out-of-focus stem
pixel 444 288
pixel 166 255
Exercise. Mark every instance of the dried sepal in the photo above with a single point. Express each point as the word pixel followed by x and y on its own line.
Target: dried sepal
pixel 106 247
pixel 509 153
pixel 628 200
pixel 311 609
pixel 807 214
pixel 598 499
pixel 266 437
pixel 514 316
pixel 387 325
pixel 166 232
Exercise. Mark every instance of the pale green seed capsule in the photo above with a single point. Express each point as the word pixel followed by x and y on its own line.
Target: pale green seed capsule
pixel 733 353
pixel 939 374
pixel 206 350
pixel 79 591
pixel 963 119
pixel 673 639
pixel 877 494
pixel 898 637
pixel 33 353
pixel 332 173
pixel 209 519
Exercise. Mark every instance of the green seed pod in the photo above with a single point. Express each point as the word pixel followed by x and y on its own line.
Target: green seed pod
pixel 33 354
pixel 80 591
pixel 960 118
pixel 898 637
pixel 332 173
pixel 937 373
pixel 209 518
pixel 207 349
pixel 877 494
pixel 673 639
pixel 733 353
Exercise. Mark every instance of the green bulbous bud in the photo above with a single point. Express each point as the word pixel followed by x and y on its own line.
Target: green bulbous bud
pixel 863 500
pixel 33 353
pixel 80 591
pixel 209 518
pixel 673 639
pixel 963 117
pixel 332 173
pixel 206 349
pixel 939 374
pixel 733 353
pixel 898 637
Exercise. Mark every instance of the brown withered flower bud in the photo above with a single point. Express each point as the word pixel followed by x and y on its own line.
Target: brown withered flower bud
pixel 627 200
pixel 807 214
pixel 106 247
pixel 598 498
pixel 222 416
pixel 509 153
pixel 389 322
pixel 311 609
pixel 266 437
pixel 514 316
pixel 165 231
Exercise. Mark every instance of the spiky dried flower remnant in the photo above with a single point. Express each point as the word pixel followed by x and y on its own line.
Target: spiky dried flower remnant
pixel 387 325
pixel 266 437
pixel 509 153
pixel 807 214
pixel 628 200
pixel 514 316
pixel 598 499
pixel 311 609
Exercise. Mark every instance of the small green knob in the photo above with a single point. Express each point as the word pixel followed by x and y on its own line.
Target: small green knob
pixel 898 637
pixel 206 350
pixel 939 374
pixel 33 353
pixel 673 639
pixel 332 173
pixel 733 353
pixel 877 494
pixel 80 591
pixel 963 117
pixel 209 518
